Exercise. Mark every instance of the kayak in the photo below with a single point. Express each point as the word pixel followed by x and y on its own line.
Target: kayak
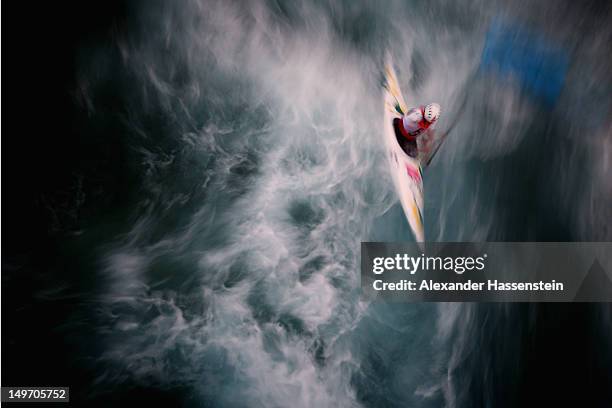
pixel 406 171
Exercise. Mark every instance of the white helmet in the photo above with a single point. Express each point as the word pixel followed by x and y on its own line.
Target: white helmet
pixel 432 112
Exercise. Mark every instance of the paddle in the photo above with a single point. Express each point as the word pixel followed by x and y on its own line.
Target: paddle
pixel 445 134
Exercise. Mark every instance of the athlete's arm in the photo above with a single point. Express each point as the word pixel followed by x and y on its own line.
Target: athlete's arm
pixel 411 119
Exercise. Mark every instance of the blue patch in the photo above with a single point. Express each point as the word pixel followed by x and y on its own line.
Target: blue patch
pixel 514 52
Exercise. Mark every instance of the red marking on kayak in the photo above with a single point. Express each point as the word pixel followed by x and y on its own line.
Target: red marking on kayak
pixel 414 174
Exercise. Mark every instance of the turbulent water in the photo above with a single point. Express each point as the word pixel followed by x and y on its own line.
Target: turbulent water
pixel 252 167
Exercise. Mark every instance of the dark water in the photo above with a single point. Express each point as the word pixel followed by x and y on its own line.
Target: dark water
pixel 191 236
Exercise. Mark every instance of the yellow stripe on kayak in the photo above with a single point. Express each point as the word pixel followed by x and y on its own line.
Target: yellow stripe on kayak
pixel 394 88
pixel 416 215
